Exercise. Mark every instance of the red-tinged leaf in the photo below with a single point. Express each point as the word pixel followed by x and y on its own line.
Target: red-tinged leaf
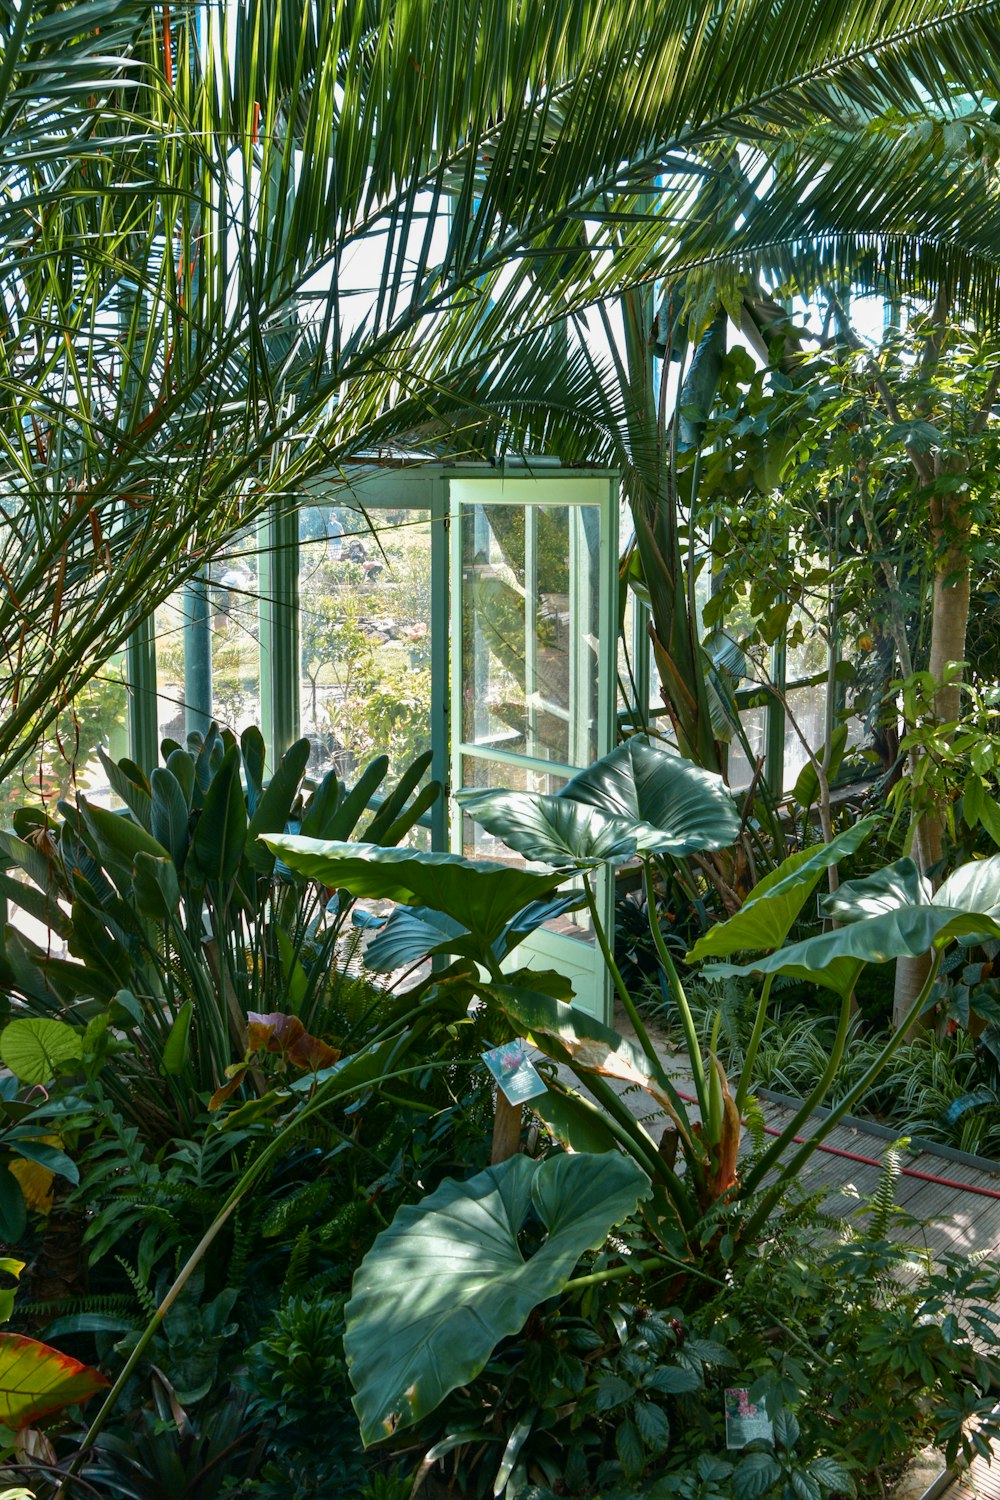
pixel 36 1380
pixel 312 1053
pixel 228 1089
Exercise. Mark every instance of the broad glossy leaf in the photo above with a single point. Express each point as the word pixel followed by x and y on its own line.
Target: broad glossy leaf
pixel 448 1280
pixel 973 887
pixel 411 933
pixel 765 918
pixel 221 830
pixel 178 1044
pixel 672 807
pixel 553 830
pixel 275 803
pixel 570 1119
pixel 36 1380
pixel 181 766
pixel 896 886
pixel 481 894
pixel 128 782
pixel 157 889
pixel 905 932
pixel 169 815
pixel 36 1049
pixel 118 838
pixel 533 916
pixel 45 1155
pixel 254 753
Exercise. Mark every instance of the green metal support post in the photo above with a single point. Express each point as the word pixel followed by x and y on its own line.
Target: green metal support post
pixel 143 719
pixel 197 656
pixel 279 627
pixel 440 654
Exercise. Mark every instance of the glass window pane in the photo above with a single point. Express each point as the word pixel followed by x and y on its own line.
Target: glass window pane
pixel 66 761
pixel 169 627
pixel 530 629
pixel 233 596
pixel 365 629
pixel 754 722
pixel 808 707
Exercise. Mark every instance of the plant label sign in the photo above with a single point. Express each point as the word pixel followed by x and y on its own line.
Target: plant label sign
pixel 745 1421
pixel 515 1074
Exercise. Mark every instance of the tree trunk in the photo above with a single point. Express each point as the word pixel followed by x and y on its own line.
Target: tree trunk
pixel 950 526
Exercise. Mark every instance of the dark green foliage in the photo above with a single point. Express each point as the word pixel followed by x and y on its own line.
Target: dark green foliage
pixel 300 1393
pixel 183 921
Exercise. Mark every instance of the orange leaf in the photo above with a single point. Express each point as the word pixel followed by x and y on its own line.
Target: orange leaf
pixel 36 1380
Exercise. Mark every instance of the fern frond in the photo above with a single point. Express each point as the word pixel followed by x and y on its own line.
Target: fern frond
pixel 296 1273
pixel 147 1301
pixel 883 1208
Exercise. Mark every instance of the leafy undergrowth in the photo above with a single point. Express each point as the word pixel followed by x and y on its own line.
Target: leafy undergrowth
pixel 937 1088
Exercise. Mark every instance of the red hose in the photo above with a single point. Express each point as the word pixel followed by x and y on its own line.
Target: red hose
pixel 873 1161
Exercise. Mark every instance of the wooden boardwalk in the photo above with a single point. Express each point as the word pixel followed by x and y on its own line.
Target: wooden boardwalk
pixel 960 1213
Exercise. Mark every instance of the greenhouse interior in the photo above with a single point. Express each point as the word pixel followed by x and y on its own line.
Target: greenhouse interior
pixel 500 750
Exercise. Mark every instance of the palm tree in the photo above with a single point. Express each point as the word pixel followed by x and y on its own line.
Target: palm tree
pixel 241 244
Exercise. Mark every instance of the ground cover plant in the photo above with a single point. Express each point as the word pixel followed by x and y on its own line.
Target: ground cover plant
pixel 330 1209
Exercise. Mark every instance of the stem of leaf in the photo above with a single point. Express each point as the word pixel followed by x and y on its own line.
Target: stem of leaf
pixel 753 1044
pixel 677 991
pixel 819 1093
pixel 626 999
pixel 647 1263
pixel 836 1114
pixel 652 1057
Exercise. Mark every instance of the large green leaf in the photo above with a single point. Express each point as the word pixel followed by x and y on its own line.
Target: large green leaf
pixel 904 932
pixel 552 830
pixel 36 1380
pixel 973 887
pixel 896 886
pixel 275 803
pixel 410 934
pixel 37 1049
pixel 765 918
pixel 671 806
pixel 481 894
pixel 448 1279
pixel 221 830
pixel 157 889
pixel 118 839
pixel 169 814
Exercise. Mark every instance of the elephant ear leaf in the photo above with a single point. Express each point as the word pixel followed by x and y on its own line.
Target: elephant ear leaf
pixel 448 1279
pixel 973 887
pixel 896 888
pixel 410 934
pixel 553 830
pixel 672 807
pixel 482 895
pixel 766 917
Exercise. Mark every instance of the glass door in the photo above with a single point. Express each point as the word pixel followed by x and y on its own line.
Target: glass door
pixel 533 630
